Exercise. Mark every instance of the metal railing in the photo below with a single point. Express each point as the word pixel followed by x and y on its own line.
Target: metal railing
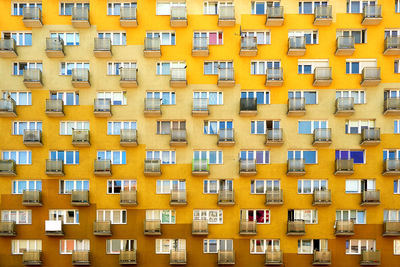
pixel 392 104
pixel 177 256
pixel 370 257
pixel 31 13
pixel 102 165
pixel 371 196
pixel 7 166
pixel 178 196
pixel 31 136
pixel 372 11
pixel 274 74
pixel 7 228
pixel 344 164
pixel 152 104
pixel 247 165
pixel 371 73
pixel 33 75
pixel 152 165
pixel 248 104
pixel 274 135
pixel 178 13
pixel 102 105
pixel 273 196
pixel 226 257
pixel 200 165
pixel 54 105
pixel 226 13
pixel 127 256
pixel 344 104
pixel 248 43
pixel 102 227
pixel 7 45
pixel 322 196
pixel 32 257
pixel 248 227
pixel 225 74
pixel 275 12
pixel 32 197
pixel 391 227
pixel 80 257
pixel 128 74
pixel 80 13
pixel 128 135
pixel 80 136
pixel 391 165
pixel 178 135
pixel 152 226
pixel 54 165
pixel 226 196
pixel 371 134
pixel 297 104
pixel 200 104
pixel 80 196
pixel 128 197
pixel 178 74
pixel 128 13
pixel 200 43
pixel 322 134
pixel 102 44
pixel 296 226
pixel 296 165
pixel 322 256
pixel 297 42
pixel 273 257
pixel 323 73
pixel 152 43
pixel 200 227
pixel 80 75
pixel 344 227
pixel 323 12
pixel 392 42
pixel 345 42
pixel 226 135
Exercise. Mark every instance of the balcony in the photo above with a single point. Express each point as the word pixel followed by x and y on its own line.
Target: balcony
pixel 33 78
pixel 128 198
pixel 80 138
pixel 370 197
pixel 226 197
pixel 102 47
pixel 391 228
pixel 322 197
pixel 80 17
pixel 345 46
pixel 371 76
pixel 248 46
pixel 274 197
pixel 80 257
pixel 297 46
pixel 391 167
pixel 323 15
pixel 247 227
pixel 7 228
pixel 344 106
pixel 322 76
pixel 178 137
pixel 102 167
pixel 200 107
pixel 226 257
pixel 344 166
pixel 273 257
pixel 32 17
pixel 297 227
pixel 80 78
pixel 295 167
pixel 274 137
pixel 392 46
pixel 127 257
pixel 370 258
pixel 53 228
pixel 128 137
pixel 322 257
pixel 8 48
pixel 7 168
pixel 54 108
pixel 247 167
pixel 102 107
pixel 226 16
pixel 102 228
pixel 274 16
pixel 178 78
pixel 372 15
pixel 32 257
pixel 178 197
pixel 128 77
pixel 296 106
pixel 274 77
pixel 200 227
pixel 32 138
pixel 80 198
pixel 152 167
pixel 152 107
pixel 200 167
pixel 344 228
pixel 322 137
pixel 226 137
pixel 32 198
pixel 391 106
pixel 248 107
pixel 8 108
pixel 370 136
pixel 152 47
pixel 178 16
pixel 152 227
pixel 177 257
pixel 226 77
pixel 55 47
pixel 54 167
pixel 127 17
pixel 200 47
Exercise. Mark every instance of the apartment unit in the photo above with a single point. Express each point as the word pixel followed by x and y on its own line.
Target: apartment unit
pixel 199 133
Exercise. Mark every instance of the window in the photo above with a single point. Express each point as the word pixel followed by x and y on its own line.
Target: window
pixel 260 216
pixel 21 38
pixel 20 246
pixel 213 127
pixel 19 67
pixel 22 157
pixel 357 186
pixel 215 245
pixel 65 216
pixel 115 246
pixel 67 156
pixel 396 247
pixel 308 127
pixel 66 67
pixel 166 38
pixel 17 216
pixel 114 68
pixel 214 98
pixel 116 156
pixel 165 156
pixel 67 186
pixel 305 246
pixel 115 127
pixel 114 216
pixel 212 67
pixel 212 216
pixel 309 186
pixel 116 186
pixel 164 8
pixel 397 6
pixel 261 96
pixel 356 126
pixel 69 245
pixel 308 216
pixel 357 216
pixel 260 7
pixel 259 67
pixel 261 127
pixel 357 95
pixel 355 246
pixel 358 6
pixel 68 98
pixel 260 246
pixel 264 186
pixel 213 37
pixel 261 156
pixel 19 186
pixel 355 66
pixel 66 127
pixel 213 157
pixel 164 68
pixel 213 186
pixel 17 7
pixel 307 66
pixel 311 36
pixel 360 36
pixel 166 98
pixel 117 38
pixel 396 186
pixel 18 127
pixel 114 9
pixel 66 7
pixel 164 246
pixel 311 97
pixel 69 38
pixel 357 155
pixel 262 37
pixel 212 8
pixel 391 154
pixel 397 126
pixel 391 215
pixel 166 186
pixel 165 216
pixel 116 98
pixel 309 156
pixel 391 94
pixel 20 98
pixel 309 7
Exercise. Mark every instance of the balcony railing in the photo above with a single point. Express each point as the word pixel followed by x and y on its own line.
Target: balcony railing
pixel 391 228
pixel 127 257
pixel 392 106
pixel 226 137
pixel 152 227
pixel 344 228
pixel 32 16
pixel 7 168
pixel 102 167
pixel 247 167
pixel 371 76
pixel 7 228
pixel 345 45
pixel 296 227
pixel 370 197
pixel 274 197
pixel 178 197
pixel 128 77
pixel 53 228
pixel 152 106
pixel 226 77
pixel 200 46
pixel 178 137
pixel 370 258
pixel 274 77
pixel 344 106
pixel 54 47
pixel 128 197
pixel 200 227
pixel 344 166
pixel 248 106
pixel 370 136
pixel 8 48
pixel 54 167
pixel 102 47
pixel 322 15
pixel 80 198
pixel 178 16
pixel 178 77
pixel 297 106
pixel 80 257
pixel 274 257
pixel 128 137
pixel 152 167
pixel 32 257
pixel 392 45
pixel 226 197
pixel 8 108
pixel 247 227
pixel 177 257
pixel 322 136
pixel 322 197
pixel 80 77
pixel 32 198
pixel 391 167
pixel 80 138
pixel 128 16
pixel 102 107
pixel 102 228
pixel 152 47
pixel 248 46
pixel 32 137
pixel 80 17
pixel 33 77
pixel 55 107
pixel 226 257
pixel 200 106
pixel 200 167
pixel 274 137
pixel 297 46
pixel 274 16
pixel 226 15
pixel 296 167
pixel 322 76
pixel 322 257
pixel 372 14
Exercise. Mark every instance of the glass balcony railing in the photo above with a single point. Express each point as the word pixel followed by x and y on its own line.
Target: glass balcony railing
pixel 200 105
pixel 102 228
pixel 392 42
pixel 178 136
pixel 248 43
pixel 322 135
pixel 177 257
pixel 345 42
pixel 274 257
pixel 322 257
pixel 80 137
pixel 31 13
pixel 102 45
pixel 247 166
pixel 275 12
pixel 32 198
pixel 322 197
pixel 296 167
pixel 274 136
pixel 128 137
pixel 7 168
pixel 54 167
pixel 296 227
pixel 128 13
pixel 226 13
pixel 199 227
pixel 32 137
pixel 200 43
pixel 178 74
pixel 344 228
pixel 322 76
pixel 274 75
pixel 152 166
pixel 370 135
pixel 391 167
pixel 7 228
pixel 200 166
pixel 226 257
pixel 54 107
pixel 344 166
pixel 296 105
pixel 370 197
pixel 371 76
pixel 226 136
pixel 226 74
pixel 152 44
pixel 247 227
pixel 392 105
pixel 297 42
pixel 178 197
pixel 80 257
pixel 178 13
pixel 32 257
pixel 128 197
pixel 226 197
pixel 248 105
pixel 152 105
pixel 8 45
pixel 372 11
pixel 128 74
pixel 80 75
pixel 80 14
pixel 102 167
pixel 323 12
pixel 102 105
pixel 274 197
pixel 127 257
pixel 152 227
pixel 33 77
pixel 344 105
pixel 55 46
pixel 80 198
pixel 370 258
pixel 391 228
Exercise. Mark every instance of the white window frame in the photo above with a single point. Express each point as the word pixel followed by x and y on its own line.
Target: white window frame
pixel 63 97
pixel 215 183
pixel 166 127
pixel 37 185
pixel 302 92
pixel 371 185
pixel 244 214
pixel 391 215
pixel 207 125
pixel 313 5
pixel 266 36
pixel 61 215
pixel 76 65
pixel 353 242
pixel 360 3
pixel 349 32
pixel 130 184
pixel 206 245
pixel 362 63
pixel 113 67
pixel 63 36
pixel 37 125
pixel 171 96
pixel 66 126
pixel 113 96
pixel 260 67
pixel 359 96
pixel 266 245
pixel 17 96
pixel 18 157
pixel 75 158
pixel 20 216
pixel 359 124
pixel 63 188
pixel 314 63
pixel 255 123
pixel 159 34
pixel 152 155
pixel 320 186
pixel 125 245
pixel 111 153
pixel 302 155
pixel 213 216
pixel 157 215
pixel 29 65
pixel 17 249
pixel 208 6
pixel 79 244
pixel 18 5
pixel 265 158
pixel 112 6
pixel 215 65
pixel 396 247
pixel 20 37
pixel 206 34
pixel 220 96
pixel 272 182
pixel 75 4
pixel 101 215
pixel 300 215
pixel 219 156
pixel 111 126
pixel 313 122
pixel 166 186
pixel 166 11
pixel 171 64
pixel 121 39
pixel 266 97
pixel 301 33
pixel 356 221
pixel 164 246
